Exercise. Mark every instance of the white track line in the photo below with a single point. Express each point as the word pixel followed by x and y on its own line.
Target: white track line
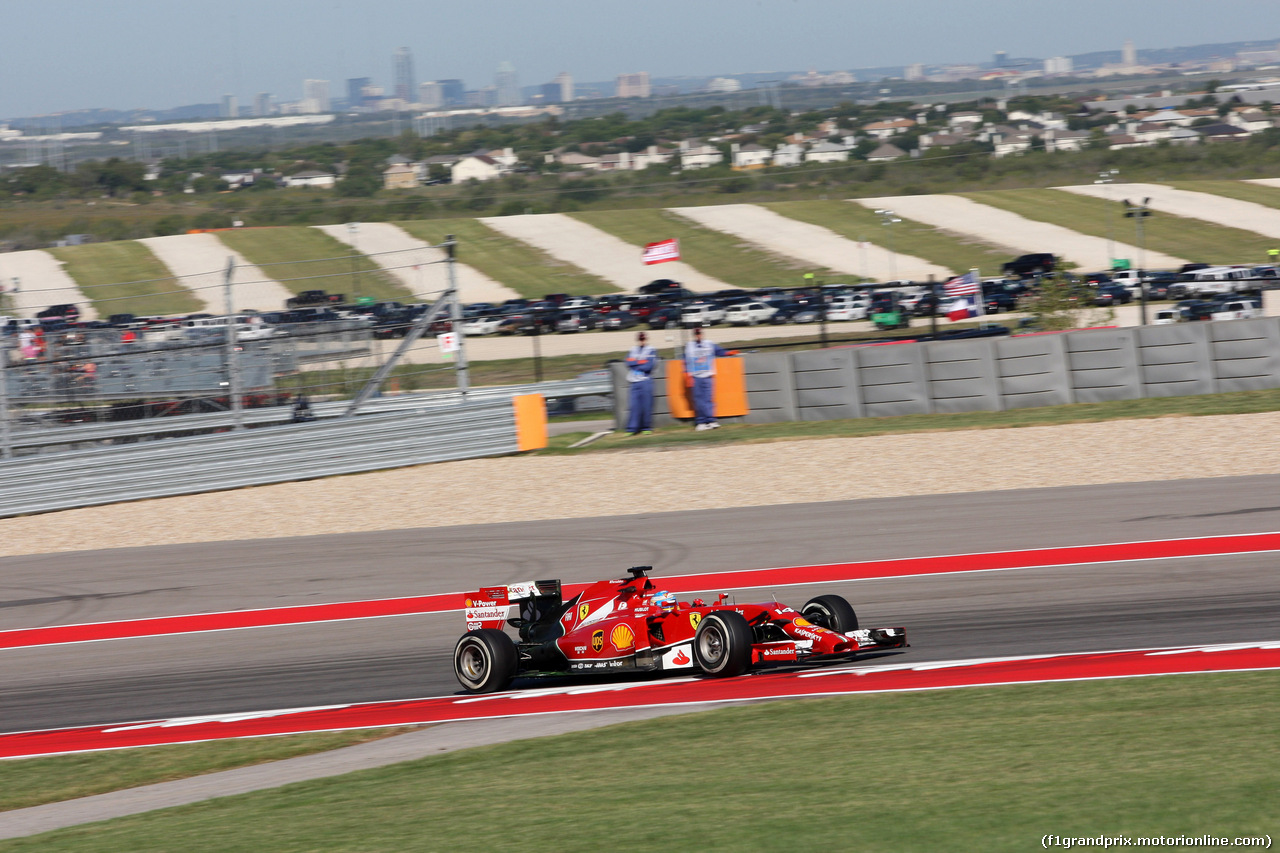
pixel 1217 209
pixel 416 264
pixel 598 252
pixel 1017 234
pixel 200 262
pixel 810 244
pixel 42 282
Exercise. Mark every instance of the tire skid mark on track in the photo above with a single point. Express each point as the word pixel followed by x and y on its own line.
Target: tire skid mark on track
pixel 936 675
pixel 743 579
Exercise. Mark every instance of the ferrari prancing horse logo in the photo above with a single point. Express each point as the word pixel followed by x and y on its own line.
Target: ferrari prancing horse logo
pixel 597 641
pixel 583 610
pixel 694 619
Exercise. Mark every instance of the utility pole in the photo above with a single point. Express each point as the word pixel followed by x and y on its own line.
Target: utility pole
pixel 353 228
pixel 1105 178
pixel 887 218
pixel 6 449
pixel 455 312
pixel 1139 213
pixel 233 364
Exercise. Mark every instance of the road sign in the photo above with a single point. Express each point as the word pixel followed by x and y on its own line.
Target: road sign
pixel 448 342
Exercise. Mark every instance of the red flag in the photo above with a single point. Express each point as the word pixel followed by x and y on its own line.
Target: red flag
pixel 660 253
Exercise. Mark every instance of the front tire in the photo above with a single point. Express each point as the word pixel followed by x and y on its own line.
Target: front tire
pixel 722 646
pixel 831 612
pixel 484 661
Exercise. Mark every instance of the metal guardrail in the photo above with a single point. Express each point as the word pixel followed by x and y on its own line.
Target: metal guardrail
pixel 208 463
pixel 95 434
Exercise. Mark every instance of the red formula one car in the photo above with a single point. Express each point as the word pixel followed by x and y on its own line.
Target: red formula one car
pixel 629 625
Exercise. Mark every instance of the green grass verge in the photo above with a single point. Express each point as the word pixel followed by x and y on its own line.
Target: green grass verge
pixel 1193 239
pixel 33 781
pixel 126 278
pixel 304 258
pixel 525 269
pixel 977 769
pixel 1239 190
pixel 1235 403
pixel 714 253
pixel 855 222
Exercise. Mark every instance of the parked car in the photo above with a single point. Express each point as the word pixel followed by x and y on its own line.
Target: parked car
pixel 576 320
pixel 797 313
pixel 1032 264
pixel 998 301
pixel 748 313
pixel 1237 309
pixel 1112 294
pixel 661 318
pixel 701 314
pixel 618 320
pixel 846 311
pixel 486 325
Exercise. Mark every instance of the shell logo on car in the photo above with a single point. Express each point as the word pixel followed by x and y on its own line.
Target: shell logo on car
pixel 597 641
pixel 622 637
pixel 801 622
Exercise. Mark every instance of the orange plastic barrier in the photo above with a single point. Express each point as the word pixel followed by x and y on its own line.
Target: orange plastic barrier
pixel 730 394
pixel 531 421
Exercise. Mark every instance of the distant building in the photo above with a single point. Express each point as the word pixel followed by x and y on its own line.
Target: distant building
pixel 262 105
pixel 454 92
pixel 478 167
pixel 913 72
pixel 399 176
pixel 1129 55
pixel 431 94
pixel 402 67
pixel 750 156
pixel 230 107
pixel 506 86
pixel 1001 59
pixel 565 81
pixel 549 93
pixel 634 85
pixel 315 96
pixel 322 180
pixel 722 85
pixel 1059 65
pixel 355 91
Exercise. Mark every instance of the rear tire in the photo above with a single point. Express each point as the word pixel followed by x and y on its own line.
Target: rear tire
pixel 831 612
pixel 484 661
pixel 722 646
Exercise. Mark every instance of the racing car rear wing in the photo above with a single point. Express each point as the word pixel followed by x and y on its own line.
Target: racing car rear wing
pixel 490 606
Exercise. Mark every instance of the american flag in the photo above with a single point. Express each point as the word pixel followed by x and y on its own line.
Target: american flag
pixel 961 285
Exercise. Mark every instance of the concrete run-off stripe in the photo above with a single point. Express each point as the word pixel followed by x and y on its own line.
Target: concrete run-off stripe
pixel 710 581
pixel 937 675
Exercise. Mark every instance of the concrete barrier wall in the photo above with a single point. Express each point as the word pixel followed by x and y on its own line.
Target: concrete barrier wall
pixel 994 374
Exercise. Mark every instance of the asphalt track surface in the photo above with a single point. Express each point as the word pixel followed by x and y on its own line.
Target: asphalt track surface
pixel 1043 610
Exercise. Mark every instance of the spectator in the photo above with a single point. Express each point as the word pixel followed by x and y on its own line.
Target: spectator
pixel 27 345
pixel 641 360
pixel 302 410
pixel 700 365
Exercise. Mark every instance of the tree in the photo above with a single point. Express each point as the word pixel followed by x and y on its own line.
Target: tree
pixel 1060 303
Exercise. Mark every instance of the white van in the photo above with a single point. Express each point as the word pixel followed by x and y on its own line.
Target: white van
pixel 1211 281
pixel 246 328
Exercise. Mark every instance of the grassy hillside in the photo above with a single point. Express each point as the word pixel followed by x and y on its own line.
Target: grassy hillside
pixel 303 258
pixel 1256 193
pixel 855 222
pixel 126 278
pixel 1193 239
pixel 525 269
pixel 714 253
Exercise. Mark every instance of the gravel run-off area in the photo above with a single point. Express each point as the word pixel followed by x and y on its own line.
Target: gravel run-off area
pixel 598 252
pixel 636 480
pixel 811 244
pixel 1015 233
pixel 1266 182
pixel 416 264
pixel 41 282
pixel 199 261
pixel 1220 210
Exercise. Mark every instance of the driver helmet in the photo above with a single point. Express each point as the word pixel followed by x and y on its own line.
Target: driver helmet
pixel 665 600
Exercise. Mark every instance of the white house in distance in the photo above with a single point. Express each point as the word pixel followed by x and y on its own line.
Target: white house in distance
pixel 888 128
pixel 695 154
pixel 788 154
pixel 477 167
pixel 750 156
pixel 311 178
pixel 826 152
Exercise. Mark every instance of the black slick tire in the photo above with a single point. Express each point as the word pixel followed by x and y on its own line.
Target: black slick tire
pixel 722 645
pixel 831 612
pixel 484 660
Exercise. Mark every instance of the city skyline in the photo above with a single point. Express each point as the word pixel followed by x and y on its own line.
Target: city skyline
pixel 62 62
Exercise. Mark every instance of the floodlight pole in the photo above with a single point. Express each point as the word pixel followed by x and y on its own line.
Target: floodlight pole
pixel 6 449
pixel 1139 212
pixel 233 365
pixel 455 312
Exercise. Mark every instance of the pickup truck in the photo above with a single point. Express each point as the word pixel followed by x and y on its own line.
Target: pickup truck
pixel 313 297
pixel 1237 309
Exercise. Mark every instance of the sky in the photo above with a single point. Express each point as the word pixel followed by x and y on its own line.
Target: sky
pixel 61 55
